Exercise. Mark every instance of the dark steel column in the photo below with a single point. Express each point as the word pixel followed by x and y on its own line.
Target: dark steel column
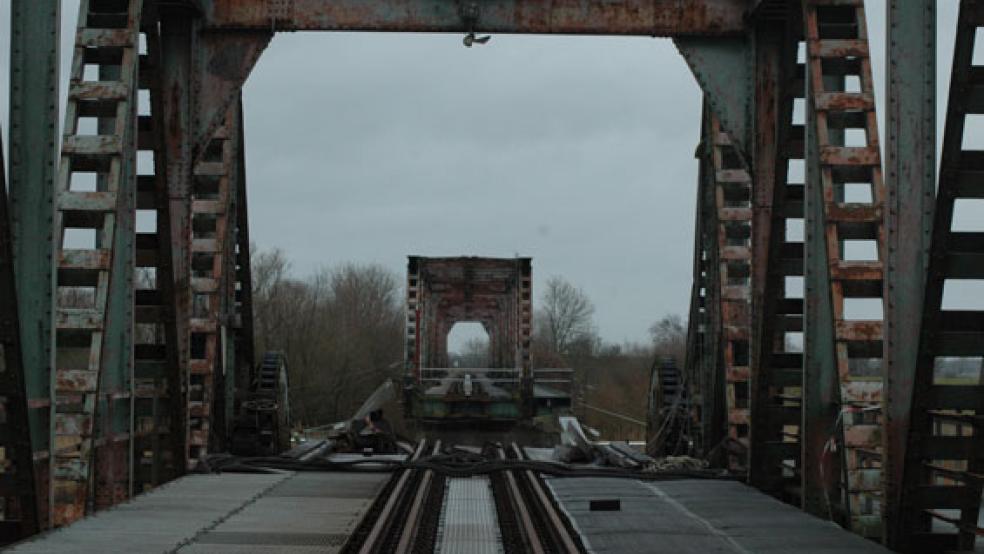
pixel 910 179
pixel 34 55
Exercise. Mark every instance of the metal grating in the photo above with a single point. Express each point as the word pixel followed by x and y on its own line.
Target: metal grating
pixel 469 524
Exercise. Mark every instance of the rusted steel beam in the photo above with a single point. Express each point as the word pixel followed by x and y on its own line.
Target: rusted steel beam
pixel 223 62
pixel 662 18
pixel 732 191
pixel 93 347
pixel 844 364
pixel 157 451
pixel 944 439
pixel 177 43
pixel 774 438
pixel 210 261
pixel 910 181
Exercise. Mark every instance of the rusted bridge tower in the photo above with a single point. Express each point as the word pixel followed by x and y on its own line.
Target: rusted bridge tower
pixel 123 350
pixel 495 292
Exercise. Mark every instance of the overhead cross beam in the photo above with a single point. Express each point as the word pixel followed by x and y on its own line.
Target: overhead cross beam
pixel 662 18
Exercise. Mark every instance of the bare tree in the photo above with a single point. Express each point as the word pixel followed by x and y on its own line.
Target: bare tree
pixel 565 318
pixel 669 336
pixel 341 330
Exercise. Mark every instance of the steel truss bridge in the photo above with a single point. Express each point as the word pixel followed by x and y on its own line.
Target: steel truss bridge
pixel 123 351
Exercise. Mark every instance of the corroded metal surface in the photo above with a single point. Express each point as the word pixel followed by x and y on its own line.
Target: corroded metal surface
pixel 211 206
pixel 777 379
pixel 94 312
pixel 844 155
pixel 733 233
pixel 938 501
pixel 618 17
pixel 495 292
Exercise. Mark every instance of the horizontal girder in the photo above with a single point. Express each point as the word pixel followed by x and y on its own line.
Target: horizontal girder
pixel 665 18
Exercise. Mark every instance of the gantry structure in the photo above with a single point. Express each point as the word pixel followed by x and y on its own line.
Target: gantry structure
pixel 124 344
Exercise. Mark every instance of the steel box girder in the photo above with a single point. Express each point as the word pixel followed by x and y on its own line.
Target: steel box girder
pixel 664 18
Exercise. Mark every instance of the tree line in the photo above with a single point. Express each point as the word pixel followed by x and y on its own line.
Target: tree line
pixel 342 331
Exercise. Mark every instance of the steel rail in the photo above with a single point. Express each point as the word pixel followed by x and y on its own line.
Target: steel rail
pixel 530 535
pixel 558 530
pixel 376 539
pixel 412 527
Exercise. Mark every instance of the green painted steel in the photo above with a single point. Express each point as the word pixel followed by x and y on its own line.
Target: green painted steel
pixel 34 41
pixel 18 490
pixel 821 398
pixel 724 70
pixel 711 358
pixel 910 179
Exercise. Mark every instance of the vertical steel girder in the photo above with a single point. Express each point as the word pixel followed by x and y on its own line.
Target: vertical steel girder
pixel 843 366
pixel 705 353
pixel 94 233
pixel 17 490
pixel 938 501
pixel 910 178
pixel 245 357
pixel 211 209
pixel 777 380
pixel 34 41
pixel 178 34
pixel 696 329
pixel 732 192
pixel 157 445
pixel 118 401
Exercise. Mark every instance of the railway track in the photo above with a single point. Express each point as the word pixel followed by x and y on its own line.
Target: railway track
pixel 422 511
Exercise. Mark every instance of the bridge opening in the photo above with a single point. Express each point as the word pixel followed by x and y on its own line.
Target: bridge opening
pixel 424 146
pixel 468 345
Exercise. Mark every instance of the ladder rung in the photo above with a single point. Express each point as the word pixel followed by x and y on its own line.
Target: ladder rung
pixel 839 48
pixel 77 381
pixel 204 285
pixel 78 318
pixel 954 397
pixel 849 155
pixel 857 271
pixel 104 38
pixel 859 330
pixel 205 246
pixel 91 145
pixel 210 169
pixel 946 497
pixel 87 201
pixel 841 101
pixel 208 207
pixel 949 448
pixel 964 265
pixel 84 259
pixel 98 91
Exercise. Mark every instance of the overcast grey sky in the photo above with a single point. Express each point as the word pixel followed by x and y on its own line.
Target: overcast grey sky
pixel 577 151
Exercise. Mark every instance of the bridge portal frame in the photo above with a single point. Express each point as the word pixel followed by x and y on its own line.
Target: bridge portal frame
pixel 735 49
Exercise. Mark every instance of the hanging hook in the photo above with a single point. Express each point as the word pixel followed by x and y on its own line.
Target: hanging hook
pixel 469 14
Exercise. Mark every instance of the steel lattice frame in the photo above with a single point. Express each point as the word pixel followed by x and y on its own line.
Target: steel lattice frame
pixel 155 347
